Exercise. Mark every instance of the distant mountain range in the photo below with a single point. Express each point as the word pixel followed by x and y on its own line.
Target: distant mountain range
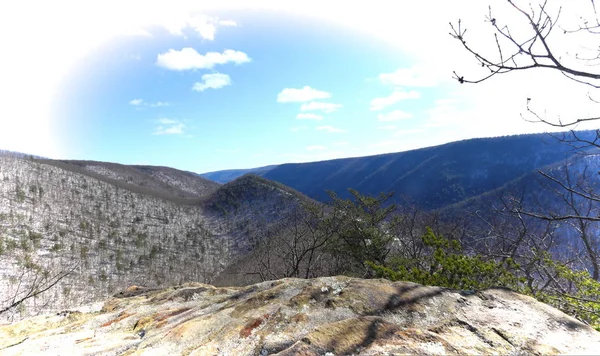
pixel 432 177
pixel 230 174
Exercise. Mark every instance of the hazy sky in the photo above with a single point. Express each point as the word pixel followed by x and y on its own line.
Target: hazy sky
pixel 208 87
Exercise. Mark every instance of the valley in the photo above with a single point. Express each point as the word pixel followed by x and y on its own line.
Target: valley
pixel 86 229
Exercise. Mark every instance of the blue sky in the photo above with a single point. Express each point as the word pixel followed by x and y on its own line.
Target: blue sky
pixel 211 89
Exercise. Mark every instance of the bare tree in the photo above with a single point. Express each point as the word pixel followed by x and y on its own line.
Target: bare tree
pixel 527 42
pixel 298 246
pixel 33 282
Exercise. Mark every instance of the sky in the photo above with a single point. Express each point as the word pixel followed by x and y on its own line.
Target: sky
pixel 205 87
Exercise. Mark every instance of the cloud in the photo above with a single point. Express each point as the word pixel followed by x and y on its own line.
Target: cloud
pixel 309 116
pixel 187 58
pixel 316 148
pixel 314 105
pixel 212 81
pixel 395 115
pixel 205 26
pixel 415 76
pixel 166 121
pixel 230 23
pixel 159 104
pixel 291 95
pixel 398 95
pixel 169 127
pixel 330 128
pixel 137 32
pixel 141 102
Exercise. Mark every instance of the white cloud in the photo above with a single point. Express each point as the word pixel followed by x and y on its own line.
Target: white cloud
pixel 137 32
pixel 169 127
pixel 291 95
pixel 166 121
pixel 315 105
pixel 229 23
pixel 188 58
pixel 397 96
pixel 212 81
pixel 395 115
pixel 159 104
pixel 330 128
pixel 205 26
pixel 309 116
pixel 316 148
pixel 141 102
pixel 415 76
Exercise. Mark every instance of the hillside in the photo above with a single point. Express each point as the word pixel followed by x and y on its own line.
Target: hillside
pixel 322 316
pixel 162 182
pixel 431 177
pixel 57 215
pixel 230 174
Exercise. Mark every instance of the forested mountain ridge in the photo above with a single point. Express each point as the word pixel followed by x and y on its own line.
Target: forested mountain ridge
pixel 431 177
pixel 56 215
pixel 163 182
pixel 230 174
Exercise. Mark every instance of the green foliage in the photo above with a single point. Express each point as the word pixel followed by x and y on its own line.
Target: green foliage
pixel 574 292
pixel 20 194
pixel 35 237
pixel 11 244
pixel 83 253
pixel 140 239
pixel 448 266
pixel 24 244
pixel 56 247
pixel 361 225
pixel 154 252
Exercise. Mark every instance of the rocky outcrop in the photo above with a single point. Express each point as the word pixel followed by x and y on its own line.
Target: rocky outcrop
pixel 323 316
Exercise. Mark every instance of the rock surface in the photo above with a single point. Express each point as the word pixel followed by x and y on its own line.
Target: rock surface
pixel 322 316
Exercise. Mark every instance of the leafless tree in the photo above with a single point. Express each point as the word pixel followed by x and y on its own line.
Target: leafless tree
pixel 33 282
pixel 526 42
pixel 298 246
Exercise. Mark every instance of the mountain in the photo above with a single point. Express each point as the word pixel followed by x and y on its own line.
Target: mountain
pixel 118 225
pixel 321 316
pixel 572 190
pixel 161 182
pixel 432 177
pixel 231 174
